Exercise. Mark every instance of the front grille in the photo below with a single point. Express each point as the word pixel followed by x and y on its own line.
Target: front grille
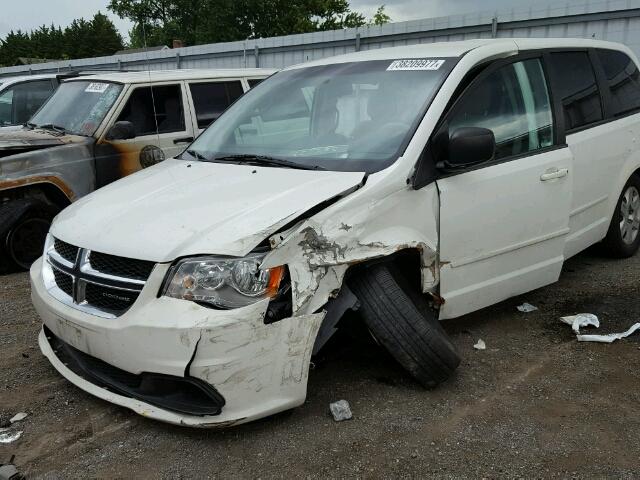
pixel 109 299
pixel 66 251
pixel 98 283
pixel 121 266
pixel 64 282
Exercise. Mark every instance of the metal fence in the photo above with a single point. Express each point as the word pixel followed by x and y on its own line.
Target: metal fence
pixel 614 20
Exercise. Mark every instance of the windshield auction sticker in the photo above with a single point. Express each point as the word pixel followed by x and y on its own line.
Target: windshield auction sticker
pixel 96 87
pixel 415 64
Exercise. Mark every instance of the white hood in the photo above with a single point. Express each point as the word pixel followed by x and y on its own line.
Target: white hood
pixel 180 208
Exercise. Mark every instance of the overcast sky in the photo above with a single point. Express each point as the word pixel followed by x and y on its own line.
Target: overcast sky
pixel 30 14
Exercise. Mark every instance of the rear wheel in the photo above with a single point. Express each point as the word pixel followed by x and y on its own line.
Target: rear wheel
pixel 623 237
pixel 402 321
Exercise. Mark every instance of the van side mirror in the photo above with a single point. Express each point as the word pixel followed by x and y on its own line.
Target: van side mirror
pixel 470 146
pixel 121 131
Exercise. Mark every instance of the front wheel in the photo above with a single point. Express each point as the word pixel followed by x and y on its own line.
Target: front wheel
pixel 26 224
pixel 623 237
pixel 401 320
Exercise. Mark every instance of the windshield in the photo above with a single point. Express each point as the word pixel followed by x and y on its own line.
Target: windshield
pixel 347 117
pixel 77 107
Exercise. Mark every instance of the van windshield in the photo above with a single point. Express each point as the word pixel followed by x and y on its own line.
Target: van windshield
pixel 355 116
pixel 77 107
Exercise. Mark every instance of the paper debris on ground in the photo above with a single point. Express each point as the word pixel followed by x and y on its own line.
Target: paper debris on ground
pixel 480 345
pixel 17 417
pixel 581 320
pixel 340 410
pixel 526 308
pixel 590 320
pixel 7 435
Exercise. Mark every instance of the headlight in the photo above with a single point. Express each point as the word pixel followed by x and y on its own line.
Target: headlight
pixel 223 282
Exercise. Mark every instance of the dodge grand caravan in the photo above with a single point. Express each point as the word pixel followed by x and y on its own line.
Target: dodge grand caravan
pixel 415 184
pixel 95 130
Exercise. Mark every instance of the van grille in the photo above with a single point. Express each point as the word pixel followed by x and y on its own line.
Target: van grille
pixel 121 266
pixel 66 251
pixel 101 284
pixel 109 299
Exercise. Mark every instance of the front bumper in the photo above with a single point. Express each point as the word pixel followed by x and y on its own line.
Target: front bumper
pixel 258 369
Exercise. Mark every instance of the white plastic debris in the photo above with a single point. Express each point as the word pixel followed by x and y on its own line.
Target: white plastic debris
pixel 8 436
pixel 588 319
pixel 610 337
pixel 18 416
pixel 581 320
pixel 480 345
pixel 340 410
pixel 526 308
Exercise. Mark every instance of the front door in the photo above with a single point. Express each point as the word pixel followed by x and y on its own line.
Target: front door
pixel 503 224
pixel 162 123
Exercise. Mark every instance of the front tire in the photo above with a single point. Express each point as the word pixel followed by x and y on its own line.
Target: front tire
pixel 623 237
pixel 26 225
pixel 402 321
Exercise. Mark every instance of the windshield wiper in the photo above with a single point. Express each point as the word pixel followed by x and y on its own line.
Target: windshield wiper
pixel 30 125
pixel 196 154
pixel 265 160
pixel 51 126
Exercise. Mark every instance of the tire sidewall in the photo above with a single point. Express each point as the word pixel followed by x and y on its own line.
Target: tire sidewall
pixel 627 249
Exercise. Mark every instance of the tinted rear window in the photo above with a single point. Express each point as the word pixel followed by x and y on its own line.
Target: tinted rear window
pixel 577 89
pixel 623 79
pixel 210 99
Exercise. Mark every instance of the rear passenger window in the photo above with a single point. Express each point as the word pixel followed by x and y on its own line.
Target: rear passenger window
pixel 210 99
pixel 254 81
pixel 513 103
pixel 577 89
pixel 155 109
pixel 623 79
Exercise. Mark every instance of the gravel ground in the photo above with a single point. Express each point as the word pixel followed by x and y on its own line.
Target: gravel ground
pixel 535 403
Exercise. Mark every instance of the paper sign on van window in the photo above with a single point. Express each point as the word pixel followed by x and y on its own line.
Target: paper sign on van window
pixel 415 64
pixel 96 87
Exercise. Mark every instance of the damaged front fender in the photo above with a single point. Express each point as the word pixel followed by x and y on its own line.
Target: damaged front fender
pixel 359 228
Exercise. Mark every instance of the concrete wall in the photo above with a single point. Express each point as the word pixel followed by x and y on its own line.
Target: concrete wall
pixel 614 20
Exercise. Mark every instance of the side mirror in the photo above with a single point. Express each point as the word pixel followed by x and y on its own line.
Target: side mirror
pixel 121 131
pixel 470 146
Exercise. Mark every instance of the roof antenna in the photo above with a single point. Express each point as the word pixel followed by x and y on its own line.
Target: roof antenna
pixel 148 62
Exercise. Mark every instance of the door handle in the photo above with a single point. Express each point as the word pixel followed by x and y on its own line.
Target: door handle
pixel 554 173
pixel 183 140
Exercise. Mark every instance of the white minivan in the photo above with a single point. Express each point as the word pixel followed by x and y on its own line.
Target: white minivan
pixel 414 184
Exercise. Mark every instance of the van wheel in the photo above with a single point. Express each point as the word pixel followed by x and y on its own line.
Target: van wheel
pixel 402 321
pixel 27 223
pixel 623 237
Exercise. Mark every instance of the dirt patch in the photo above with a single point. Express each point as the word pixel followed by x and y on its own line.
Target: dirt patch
pixel 535 403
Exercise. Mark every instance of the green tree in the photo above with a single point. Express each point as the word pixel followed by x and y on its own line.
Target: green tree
pixel 13 46
pixel 80 39
pixel 159 22
pixel 380 17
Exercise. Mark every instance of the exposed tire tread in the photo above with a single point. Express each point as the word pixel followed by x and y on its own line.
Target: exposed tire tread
pixel 404 324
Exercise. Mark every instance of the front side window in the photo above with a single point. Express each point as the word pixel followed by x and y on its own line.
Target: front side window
pixel 512 102
pixel 623 78
pixel 78 107
pixel 19 103
pixel 210 99
pixel 156 109
pixel 577 89
pixel 346 117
